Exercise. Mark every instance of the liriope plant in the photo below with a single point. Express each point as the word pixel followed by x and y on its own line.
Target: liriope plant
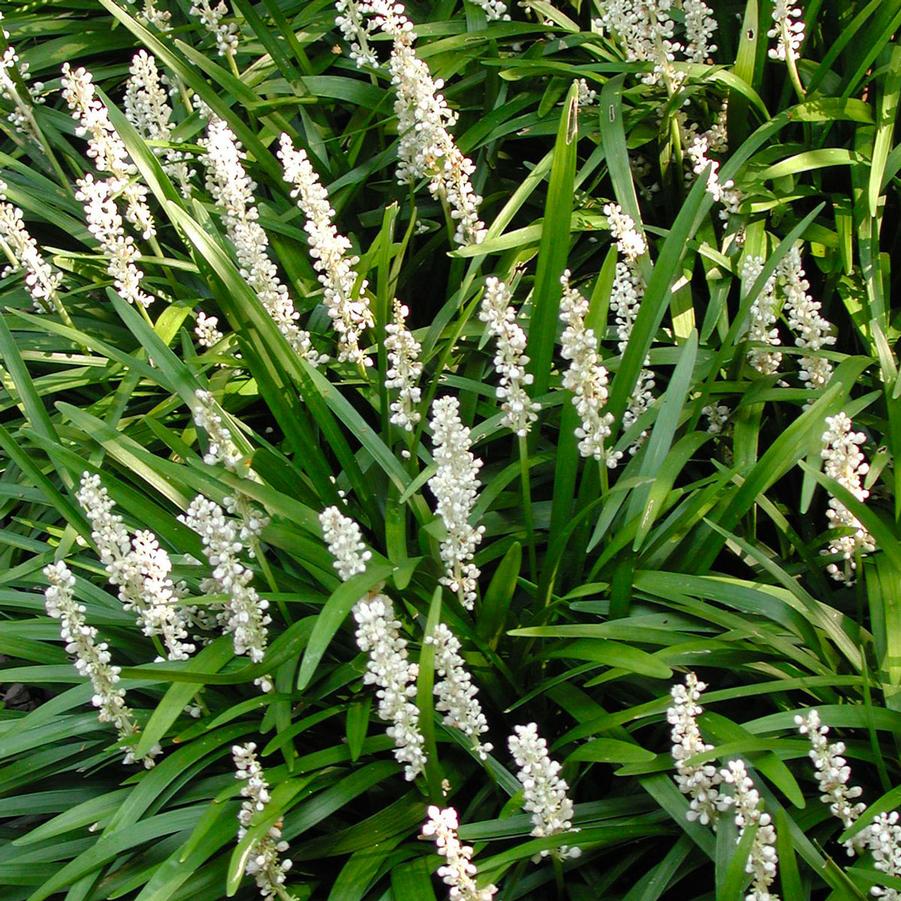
pixel 396 401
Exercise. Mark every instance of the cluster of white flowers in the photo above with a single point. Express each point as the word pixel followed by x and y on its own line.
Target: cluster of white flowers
pixel 495 10
pixel 264 860
pixel 207 330
pixel 788 30
pixel 348 305
pixel 813 332
pixel 456 486
pixel 545 792
pixel 585 377
pixel 92 658
pixel 378 635
pixel 459 872
pixel 832 773
pixel 630 242
pixel 139 567
pixel 700 782
pixel 587 95
pixel 844 462
pixel 221 447
pixel 212 18
pixel 884 843
pixel 647 33
pixel 345 543
pixel 723 192
pixel 717 416
pixel 427 149
pixel 16 90
pixel 456 693
pixel 42 280
pixel 106 148
pixel 404 369
pixel 700 27
pixel 882 837
pixel 625 301
pixel 359 21
pixel 244 614
pixel 510 359
pixel 717 136
pixel 232 190
pixel 762 330
pixel 703 783
pixel 105 224
pixel 762 857
pixel 147 107
pixel 160 18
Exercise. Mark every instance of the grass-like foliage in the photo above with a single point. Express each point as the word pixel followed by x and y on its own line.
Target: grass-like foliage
pixel 404 409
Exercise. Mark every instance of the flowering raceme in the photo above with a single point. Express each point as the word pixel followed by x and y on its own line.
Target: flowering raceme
pixel 404 369
pixel 545 792
pixel 232 190
pixel 105 224
pixel 459 871
pixel 92 658
pixel 586 378
pixel 359 21
pixel 264 860
pixel 345 543
pixel 139 567
pixel 16 90
pixel 813 332
pixel 378 635
pixel 701 782
pixel 346 302
pixel 42 280
pixel 882 837
pixel 207 330
pixel 212 18
pixel 832 773
pixel 147 108
pixel 221 447
pixel 510 360
pixel 788 30
pixel 762 329
pixel 244 611
pixel 844 462
pixel 426 149
pixel 647 33
pixel 457 696
pixel 456 486
pixel 625 300
pixel 106 148
pixel 762 857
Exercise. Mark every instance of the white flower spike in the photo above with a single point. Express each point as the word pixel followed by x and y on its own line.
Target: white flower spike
pixel 456 488
pixel 456 693
pixel 844 462
pixel 545 792
pixel 92 658
pixel 264 861
pixel 510 360
pixel 378 635
pixel 346 302
pixel 459 872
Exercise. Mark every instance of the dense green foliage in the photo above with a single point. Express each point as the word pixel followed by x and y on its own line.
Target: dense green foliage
pixel 599 588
